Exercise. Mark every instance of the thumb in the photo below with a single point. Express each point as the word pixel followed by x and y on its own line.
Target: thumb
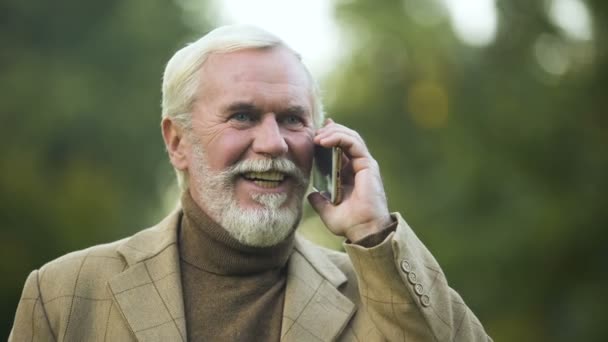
pixel 318 202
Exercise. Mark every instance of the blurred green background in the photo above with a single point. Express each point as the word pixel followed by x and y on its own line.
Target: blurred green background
pixel 496 154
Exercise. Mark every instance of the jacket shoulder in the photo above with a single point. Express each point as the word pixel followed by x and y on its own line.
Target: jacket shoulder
pixel 85 273
pixel 81 273
pixel 77 279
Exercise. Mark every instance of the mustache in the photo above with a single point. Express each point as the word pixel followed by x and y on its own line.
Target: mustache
pixel 282 165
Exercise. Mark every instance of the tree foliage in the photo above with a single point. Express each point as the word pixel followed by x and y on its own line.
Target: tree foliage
pixel 82 158
pixel 499 165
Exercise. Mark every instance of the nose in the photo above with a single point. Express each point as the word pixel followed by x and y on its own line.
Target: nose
pixel 268 138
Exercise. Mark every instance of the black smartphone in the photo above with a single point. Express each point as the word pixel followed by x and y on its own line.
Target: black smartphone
pixel 326 172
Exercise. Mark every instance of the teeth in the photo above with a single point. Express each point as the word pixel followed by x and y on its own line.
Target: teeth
pixel 266 184
pixel 272 176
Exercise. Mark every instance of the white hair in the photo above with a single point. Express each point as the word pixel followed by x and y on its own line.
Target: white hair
pixel 181 79
pixel 265 226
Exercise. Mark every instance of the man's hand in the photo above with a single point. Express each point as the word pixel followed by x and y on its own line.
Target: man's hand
pixel 363 210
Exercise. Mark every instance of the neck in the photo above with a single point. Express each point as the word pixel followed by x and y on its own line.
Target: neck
pixel 207 245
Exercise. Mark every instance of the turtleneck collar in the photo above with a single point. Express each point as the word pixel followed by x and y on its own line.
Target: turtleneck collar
pixel 206 245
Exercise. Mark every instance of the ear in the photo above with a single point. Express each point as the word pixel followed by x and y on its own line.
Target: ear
pixel 176 143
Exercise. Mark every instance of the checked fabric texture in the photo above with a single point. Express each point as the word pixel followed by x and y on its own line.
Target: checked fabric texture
pixel 130 290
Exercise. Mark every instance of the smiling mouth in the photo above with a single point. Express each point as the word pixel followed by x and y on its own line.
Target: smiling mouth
pixel 268 179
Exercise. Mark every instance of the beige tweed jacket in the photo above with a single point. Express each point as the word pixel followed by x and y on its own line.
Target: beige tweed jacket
pixel 130 290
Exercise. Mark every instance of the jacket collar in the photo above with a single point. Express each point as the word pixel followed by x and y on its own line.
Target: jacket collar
pixel 148 292
pixel 314 308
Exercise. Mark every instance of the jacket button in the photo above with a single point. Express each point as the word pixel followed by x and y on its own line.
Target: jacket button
pixel 425 300
pixel 405 266
pixel 419 289
pixel 412 278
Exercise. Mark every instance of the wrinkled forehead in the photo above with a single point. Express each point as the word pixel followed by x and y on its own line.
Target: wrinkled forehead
pixel 268 75
pixel 274 65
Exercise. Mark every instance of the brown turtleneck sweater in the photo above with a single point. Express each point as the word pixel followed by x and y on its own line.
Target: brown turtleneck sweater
pixel 232 292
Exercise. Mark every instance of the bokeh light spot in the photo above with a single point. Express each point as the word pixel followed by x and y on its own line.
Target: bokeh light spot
pixel 307 26
pixel 474 22
pixel 573 17
pixel 551 55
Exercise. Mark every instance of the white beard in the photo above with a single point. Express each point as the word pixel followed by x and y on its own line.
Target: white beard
pixel 258 227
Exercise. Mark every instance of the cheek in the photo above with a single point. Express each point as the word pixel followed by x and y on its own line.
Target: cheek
pixel 302 148
pixel 227 149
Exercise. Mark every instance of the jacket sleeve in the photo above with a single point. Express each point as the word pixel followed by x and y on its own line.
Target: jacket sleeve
pixel 405 293
pixel 31 321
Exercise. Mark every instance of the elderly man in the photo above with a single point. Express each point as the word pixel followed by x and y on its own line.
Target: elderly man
pixel 241 116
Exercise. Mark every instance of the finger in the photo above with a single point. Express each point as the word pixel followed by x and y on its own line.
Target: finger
pixel 348 174
pixel 353 135
pixel 352 147
pixel 319 203
pixel 334 127
pixel 354 165
pixel 337 128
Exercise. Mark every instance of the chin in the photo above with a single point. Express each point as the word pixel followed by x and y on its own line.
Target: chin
pixel 268 221
pixel 260 227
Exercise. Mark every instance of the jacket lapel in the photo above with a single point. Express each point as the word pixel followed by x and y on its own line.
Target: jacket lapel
pixel 314 309
pixel 148 292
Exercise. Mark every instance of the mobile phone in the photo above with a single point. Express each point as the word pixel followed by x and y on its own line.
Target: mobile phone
pixel 326 177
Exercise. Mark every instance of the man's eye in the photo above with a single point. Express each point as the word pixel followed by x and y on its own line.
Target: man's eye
pixel 241 117
pixel 292 120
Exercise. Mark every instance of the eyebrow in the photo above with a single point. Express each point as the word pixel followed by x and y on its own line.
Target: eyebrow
pixel 241 107
pixel 294 110
pixel 250 107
